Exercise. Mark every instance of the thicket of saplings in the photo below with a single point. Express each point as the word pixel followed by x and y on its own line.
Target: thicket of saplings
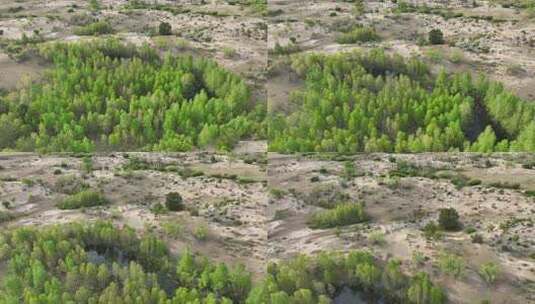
pixel 106 94
pixel 320 279
pixel 372 101
pixel 99 263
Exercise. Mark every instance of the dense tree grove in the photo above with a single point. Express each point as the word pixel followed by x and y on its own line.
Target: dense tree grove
pixel 320 279
pixel 98 263
pixel 355 102
pixel 108 95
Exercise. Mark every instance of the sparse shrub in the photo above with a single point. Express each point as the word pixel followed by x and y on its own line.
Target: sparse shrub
pixel 451 264
pixel 477 238
pixel 489 272
pixel 436 36
pixel 432 231
pixel 86 198
pixel 5 216
pixel 422 291
pixel 470 230
pixel 165 29
pixel 6 204
pixel 229 52
pixel 174 202
pixel 377 238
pixel 201 232
pixel 158 208
pixel 57 172
pixel 418 258
pixel 173 229
pixel 448 219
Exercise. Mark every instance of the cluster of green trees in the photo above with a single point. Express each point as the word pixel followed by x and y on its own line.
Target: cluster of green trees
pixel 98 263
pixel 372 101
pixel 319 279
pixel 106 94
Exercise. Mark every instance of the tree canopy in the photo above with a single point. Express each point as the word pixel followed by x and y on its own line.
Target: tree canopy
pixel 372 101
pixel 108 95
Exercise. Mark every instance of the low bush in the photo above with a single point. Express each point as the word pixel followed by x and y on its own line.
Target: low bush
pixel 358 34
pixel 85 198
pixel 341 215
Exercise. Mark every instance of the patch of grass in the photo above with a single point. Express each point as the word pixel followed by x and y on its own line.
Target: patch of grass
pixel 342 215
pixel 277 193
pixel 86 198
pixel 28 182
pixel 229 52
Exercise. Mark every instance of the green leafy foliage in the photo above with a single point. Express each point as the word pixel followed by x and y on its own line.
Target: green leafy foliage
pixel 448 219
pixel 341 215
pixel 165 29
pixel 98 263
pixel 173 201
pixel 93 29
pixel 108 95
pixel 436 36
pixel 371 101
pixel 358 34
pixel 305 279
pixel 85 198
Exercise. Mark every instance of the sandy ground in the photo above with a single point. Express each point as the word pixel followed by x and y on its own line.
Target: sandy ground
pixel 231 209
pixel 200 29
pixel 509 36
pixel 398 211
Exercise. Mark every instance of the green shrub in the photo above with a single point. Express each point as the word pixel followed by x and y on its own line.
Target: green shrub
pixel 341 215
pixel 451 264
pixel 174 202
pixel 85 198
pixel 358 34
pixel 436 37
pixel 173 229
pixel 93 29
pixel 489 272
pixel 432 231
pixel 422 291
pixel 201 232
pixel 165 29
pixel 448 219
